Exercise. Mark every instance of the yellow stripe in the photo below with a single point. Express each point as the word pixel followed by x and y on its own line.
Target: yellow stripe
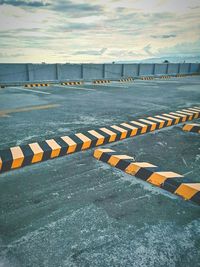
pixel 134 167
pixel 158 178
pixel 187 191
pixel 1 163
pixel 72 145
pixel 55 148
pixel 86 141
pixel 112 134
pixel 187 127
pixel 144 127
pixel 99 152
pixel 100 137
pixel 38 152
pixel 18 157
pixel 113 160
pixel 153 127
pixel 123 131
pixel 160 121
pixel 134 129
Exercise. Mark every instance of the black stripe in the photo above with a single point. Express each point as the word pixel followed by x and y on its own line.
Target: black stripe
pixel 126 129
pixel 193 115
pixel 78 141
pixel 178 117
pixel 182 118
pixel 167 121
pixel 7 160
pixel 196 198
pixel 145 173
pixel 136 126
pixel 123 164
pixel 115 131
pixel 157 124
pixel 64 146
pixel 28 155
pixel 195 129
pixel 148 125
pixel 106 156
pixel 107 136
pixel 93 139
pixel 187 116
pixel 47 150
pixel 171 184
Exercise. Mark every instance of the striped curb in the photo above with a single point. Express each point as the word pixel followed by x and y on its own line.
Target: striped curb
pixel 147 78
pixel 165 77
pixel 19 156
pixel 192 127
pixel 170 181
pixel 36 85
pixel 126 80
pixel 101 81
pixel 72 83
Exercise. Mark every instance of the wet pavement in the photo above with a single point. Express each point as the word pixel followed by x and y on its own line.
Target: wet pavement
pixel 77 211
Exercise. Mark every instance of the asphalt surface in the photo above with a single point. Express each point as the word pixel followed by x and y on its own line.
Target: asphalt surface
pixel 77 211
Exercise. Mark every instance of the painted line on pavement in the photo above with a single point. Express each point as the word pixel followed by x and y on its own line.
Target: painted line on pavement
pixel 75 88
pixel 4 113
pixel 29 90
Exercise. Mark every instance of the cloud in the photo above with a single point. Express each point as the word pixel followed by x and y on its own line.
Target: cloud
pixel 164 36
pixel 147 49
pixel 91 52
pixel 69 6
pixel 76 30
pixel 24 3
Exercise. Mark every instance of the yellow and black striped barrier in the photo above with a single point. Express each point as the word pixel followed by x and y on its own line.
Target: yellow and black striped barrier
pixel 126 79
pixel 147 78
pixel 165 77
pixel 101 81
pixel 72 83
pixel 170 181
pixel 19 156
pixel 182 75
pixel 36 85
pixel 192 127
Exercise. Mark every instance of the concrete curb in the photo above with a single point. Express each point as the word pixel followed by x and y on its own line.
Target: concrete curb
pixel 72 83
pixel 20 156
pixel 101 81
pixel 170 181
pixel 129 79
pixel 37 85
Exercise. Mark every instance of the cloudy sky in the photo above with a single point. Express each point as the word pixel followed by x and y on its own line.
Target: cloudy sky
pixel 98 30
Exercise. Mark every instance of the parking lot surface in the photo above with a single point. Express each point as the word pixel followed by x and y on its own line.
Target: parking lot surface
pixel 77 211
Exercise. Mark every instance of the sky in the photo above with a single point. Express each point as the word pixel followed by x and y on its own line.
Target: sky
pixel 98 30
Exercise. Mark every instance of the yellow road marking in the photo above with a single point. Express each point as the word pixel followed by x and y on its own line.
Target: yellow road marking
pixel 5 112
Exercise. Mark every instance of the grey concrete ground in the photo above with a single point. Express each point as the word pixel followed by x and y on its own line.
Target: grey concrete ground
pixel 76 211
